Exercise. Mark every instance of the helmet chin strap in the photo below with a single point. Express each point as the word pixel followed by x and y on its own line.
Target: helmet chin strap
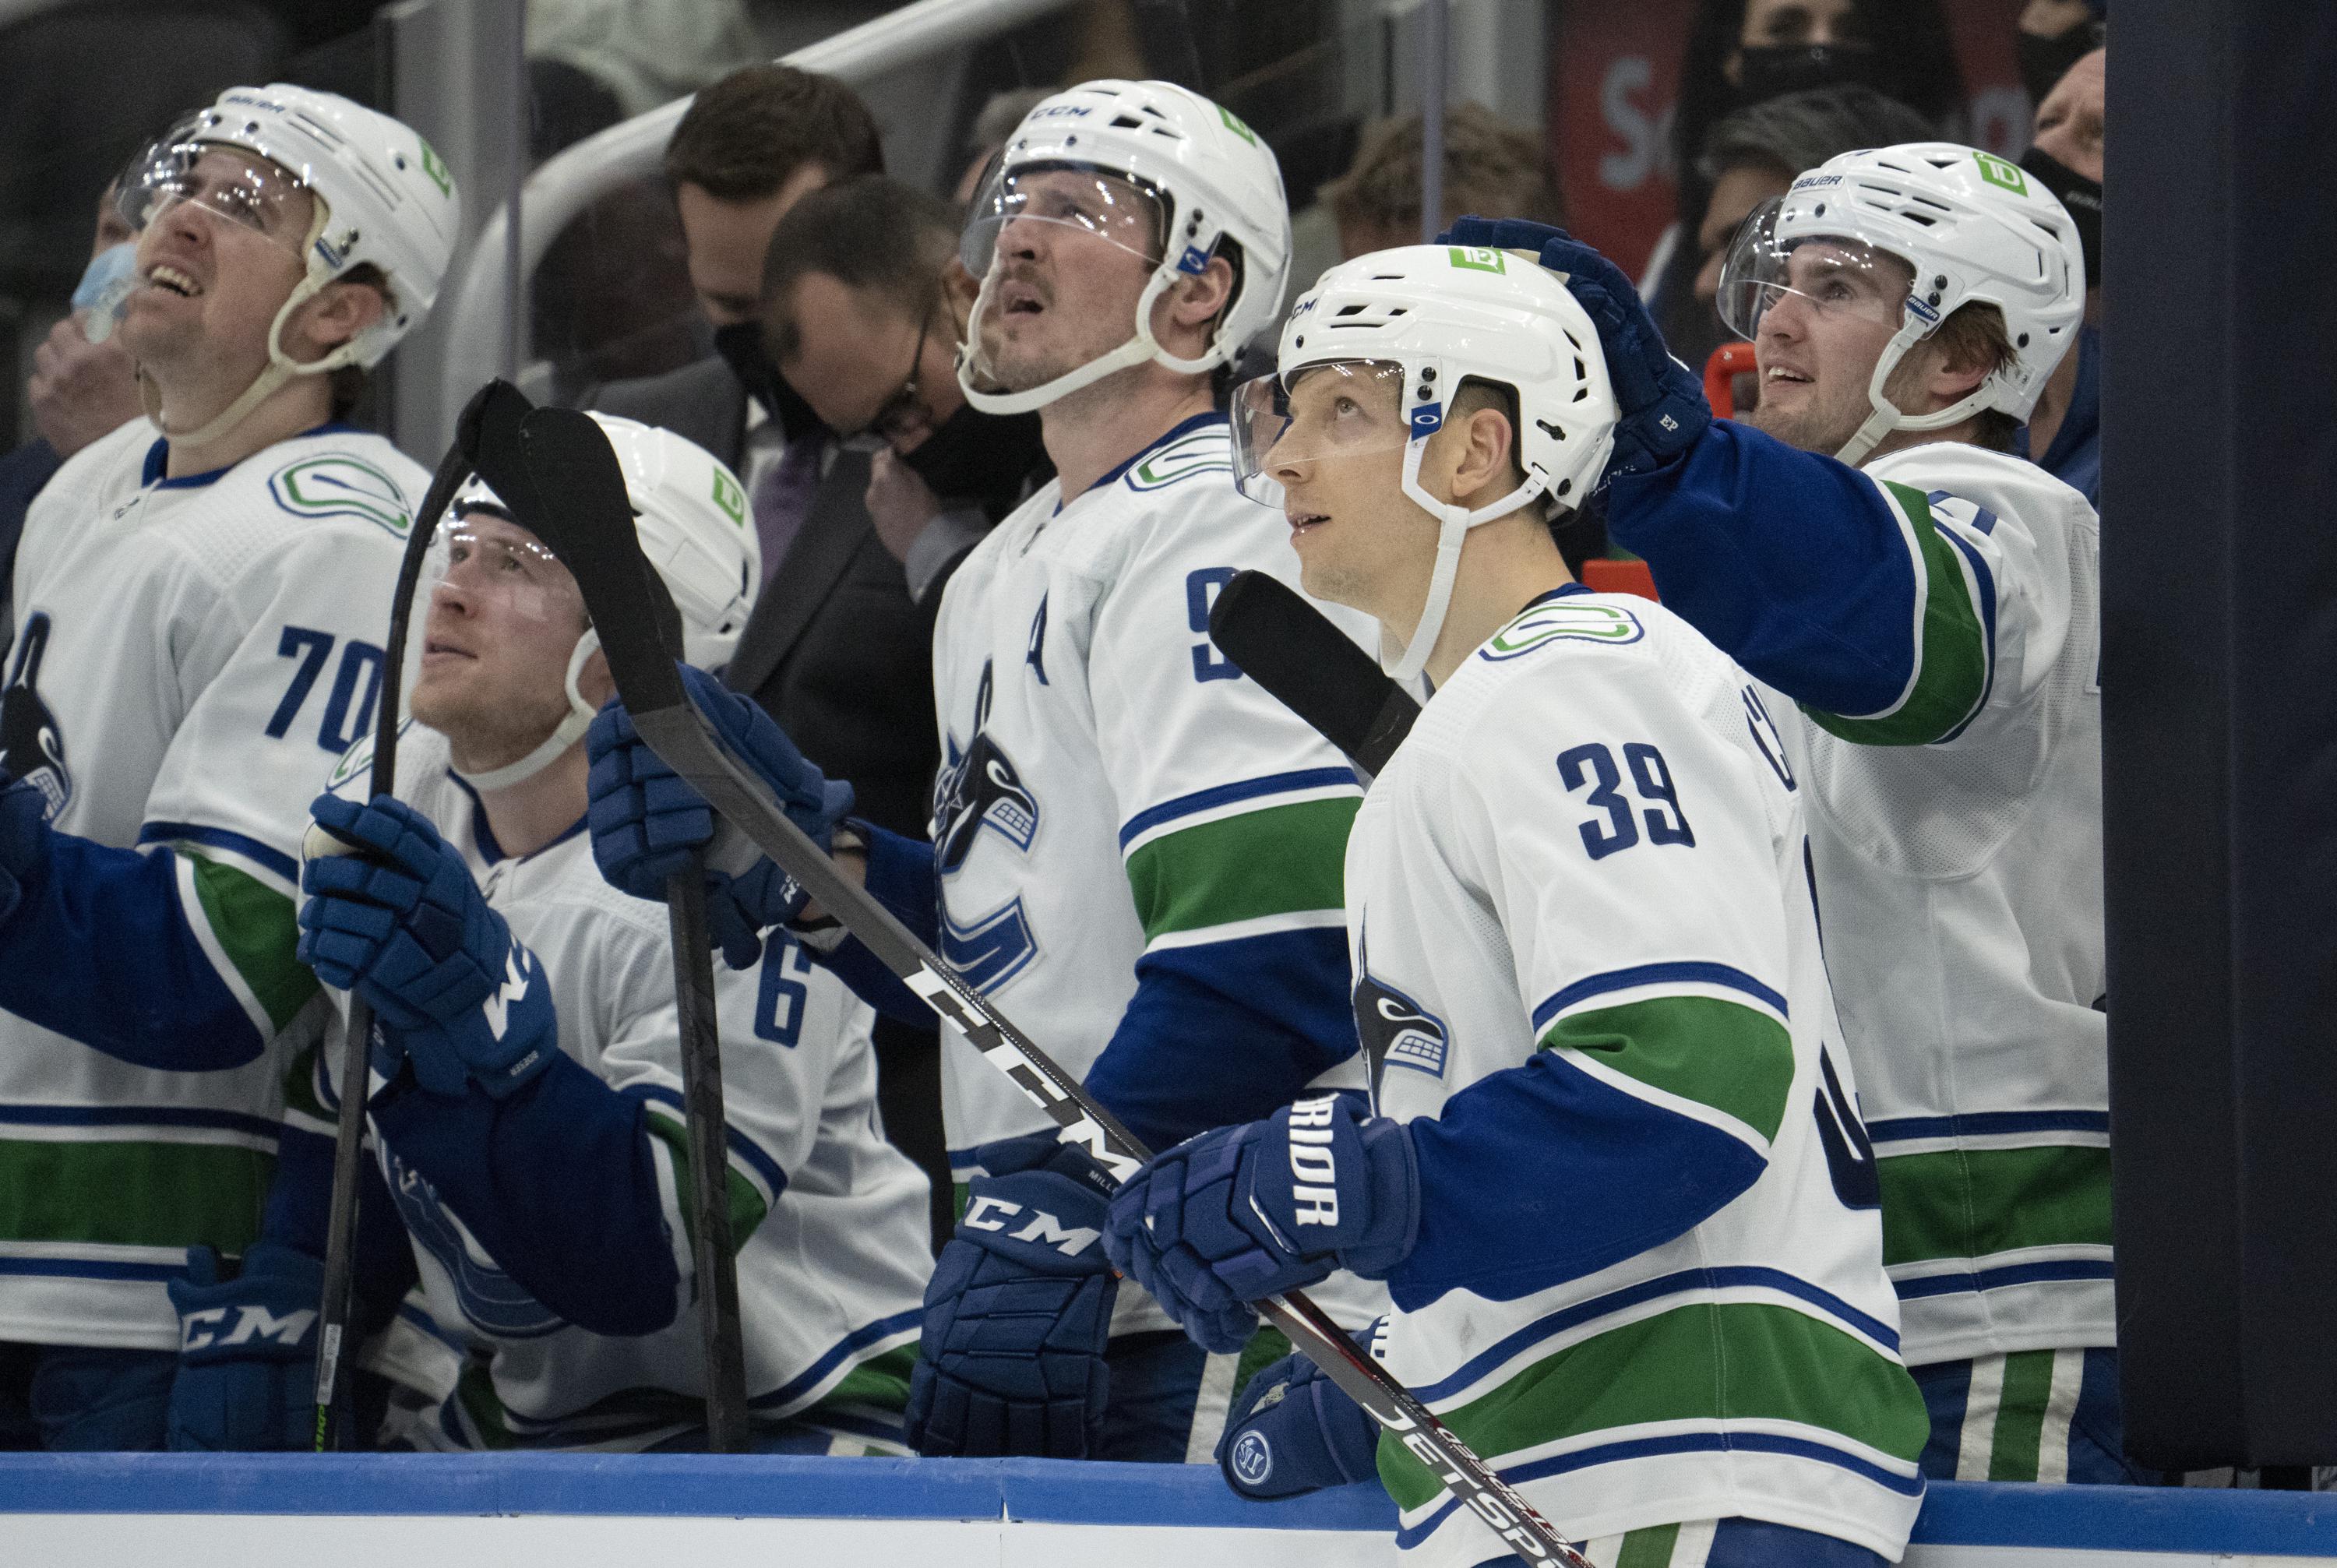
pixel 1453 531
pixel 564 734
pixel 1885 416
pixel 1139 349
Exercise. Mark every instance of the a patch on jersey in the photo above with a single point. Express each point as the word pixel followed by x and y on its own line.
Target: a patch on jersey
pixel 336 484
pixel 979 787
pixel 491 1299
pixel 991 950
pixel 32 746
pixel 1203 453
pixel 1395 1030
pixel 1568 621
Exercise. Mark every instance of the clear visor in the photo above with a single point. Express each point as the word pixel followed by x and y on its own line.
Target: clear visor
pixel 229 184
pixel 489 560
pixel 1345 409
pixel 1053 199
pixel 1836 274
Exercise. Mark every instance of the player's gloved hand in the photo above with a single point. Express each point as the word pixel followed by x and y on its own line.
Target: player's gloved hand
pixel 1018 1313
pixel 1243 1212
pixel 23 838
pixel 247 1377
pixel 1292 1431
pixel 1661 400
pixel 399 920
pixel 646 819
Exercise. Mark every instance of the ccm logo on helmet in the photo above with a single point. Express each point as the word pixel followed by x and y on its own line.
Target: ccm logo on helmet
pixel 1058 111
pixel 1044 1228
pixel 1316 1195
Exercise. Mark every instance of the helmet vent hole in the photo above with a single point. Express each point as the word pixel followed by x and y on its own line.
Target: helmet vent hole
pixel 1127 123
pixel 1580 394
pixel 1399 311
pixel 1581 371
pixel 1352 309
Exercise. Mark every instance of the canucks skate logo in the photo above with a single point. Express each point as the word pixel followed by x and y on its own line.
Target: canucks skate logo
pixel 1395 1030
pixel 30 746
pixel 492 1300
pixel 978 788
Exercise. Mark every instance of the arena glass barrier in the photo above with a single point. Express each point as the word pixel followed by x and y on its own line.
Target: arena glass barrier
pixel 585 1511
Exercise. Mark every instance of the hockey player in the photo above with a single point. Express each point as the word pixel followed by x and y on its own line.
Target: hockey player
pixel 1614 1179
pixel 197 631
pixel 528 1108
pixel 1871 550
pixel 1135 848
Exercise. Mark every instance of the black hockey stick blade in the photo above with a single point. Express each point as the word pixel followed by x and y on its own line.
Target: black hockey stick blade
pixel 490 404
pixel 583 502
pixel 1312 668
pixel 602 552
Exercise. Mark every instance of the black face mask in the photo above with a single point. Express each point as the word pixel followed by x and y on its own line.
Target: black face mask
pixel 740 344
pixel 1773 69
pixel 2082 197
pixel 2044 61
pixel 989 459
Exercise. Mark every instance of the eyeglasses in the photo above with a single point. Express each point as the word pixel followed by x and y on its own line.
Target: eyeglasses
pixel 905 405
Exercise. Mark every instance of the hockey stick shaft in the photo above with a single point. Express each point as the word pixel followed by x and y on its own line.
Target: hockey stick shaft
pixel 605 558
pixel 1300 658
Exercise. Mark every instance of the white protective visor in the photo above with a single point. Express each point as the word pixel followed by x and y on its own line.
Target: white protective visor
pixel 1332 410
pixel 1841 273
pixel 228 183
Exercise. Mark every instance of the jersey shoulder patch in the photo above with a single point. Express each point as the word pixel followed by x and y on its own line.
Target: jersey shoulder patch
pixel 1573 619
pixel 341 484
pixel 1206 451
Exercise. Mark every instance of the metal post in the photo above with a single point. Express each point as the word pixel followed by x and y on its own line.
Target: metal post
pixel 1433 25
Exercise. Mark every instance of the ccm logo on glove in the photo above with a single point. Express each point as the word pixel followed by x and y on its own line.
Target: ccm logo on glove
pixel 1044 1228
pixel 251 1323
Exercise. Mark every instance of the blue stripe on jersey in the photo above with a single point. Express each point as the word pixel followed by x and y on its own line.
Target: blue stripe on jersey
pixel 1793 563
pixel 1985 587
pixel 1176 433
pixel 1551 1325
pixel 774 1174
pixel 1539 1135
pixel 94 1269
pixel 1228 794
pixel 1983 519
pixel 1987 1123
pixel 1226 1032
pixel 1681 973
pixel 62 962
pixel 557 1182
pixel 138 1116
pixel 1997 1279
pixel 851 1344
pixel 429 1324
pixel 283 865
pixel 298 1213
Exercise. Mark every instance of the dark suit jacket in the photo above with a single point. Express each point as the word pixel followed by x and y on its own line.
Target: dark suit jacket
pixel 836 650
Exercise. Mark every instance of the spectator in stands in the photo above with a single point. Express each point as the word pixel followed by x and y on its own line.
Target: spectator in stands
pixel 1490 166
pixel 2053 36
pixel 82 386
pixel 2064 434
pixel 1754 154
pixel 867 303
pixel 1000 114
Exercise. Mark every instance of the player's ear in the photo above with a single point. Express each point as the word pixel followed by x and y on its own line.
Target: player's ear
pixel 593 682
pixel 338 313
pixel 959 289
pixel 1197 300
pixel 1482 469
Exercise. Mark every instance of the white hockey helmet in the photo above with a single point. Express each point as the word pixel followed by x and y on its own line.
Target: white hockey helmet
pixel 1417 323
pixel 1971 228
pixel 1207 179
pixel 382 197
pixel 690 514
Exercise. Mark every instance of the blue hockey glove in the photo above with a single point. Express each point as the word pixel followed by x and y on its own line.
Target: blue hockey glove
pixel 401 922
pixel 1293 1432
pixel 1018 1313
pixel 1244 1213
pixel 1661 400
pixel 23 838
pixel 646 819
pixel 247 1377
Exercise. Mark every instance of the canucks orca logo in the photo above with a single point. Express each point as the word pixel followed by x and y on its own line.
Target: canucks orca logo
pixel 492 1300
pixel 979 788
pixel 30 746
pixel 1395 1030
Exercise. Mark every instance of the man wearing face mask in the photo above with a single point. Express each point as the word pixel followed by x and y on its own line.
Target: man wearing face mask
pixel 2054 35
pixel 2064 434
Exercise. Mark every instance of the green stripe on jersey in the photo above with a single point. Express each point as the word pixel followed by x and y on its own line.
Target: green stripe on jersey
pixel 133 1193
pixel 1735 1058
pixel 1706 1361
pixel 1976 1202
pixel 1648 1548
pixel 747 1205
pixel 881 1382
pixel 1952 668
pixel 1278 861
pixel 300 1087
pixel 2020 1435
pixel 260 930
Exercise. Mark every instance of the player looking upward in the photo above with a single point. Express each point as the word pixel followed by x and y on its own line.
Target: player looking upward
pixel 198 631
pixel 527 1107
pixel 1870 548
pixel 1612 1172
pixel 1133 847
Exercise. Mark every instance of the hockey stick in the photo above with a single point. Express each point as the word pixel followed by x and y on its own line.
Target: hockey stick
pixel 1294 652
pixel 491 405
pixel 577 475
pixel 502 458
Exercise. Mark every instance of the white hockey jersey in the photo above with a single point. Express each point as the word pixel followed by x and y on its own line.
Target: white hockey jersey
pixel 829 1218
pixel 1114 793
pixel 1648 1287
pixel 1960 887
pixel 189 655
